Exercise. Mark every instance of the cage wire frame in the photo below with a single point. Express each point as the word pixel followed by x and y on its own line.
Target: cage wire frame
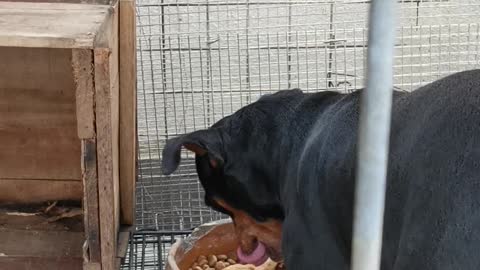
pixel 201 60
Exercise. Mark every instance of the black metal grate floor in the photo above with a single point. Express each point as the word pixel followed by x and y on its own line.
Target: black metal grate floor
pixel 148 250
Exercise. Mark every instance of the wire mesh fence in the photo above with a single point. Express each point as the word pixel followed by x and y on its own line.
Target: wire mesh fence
pixel 201 60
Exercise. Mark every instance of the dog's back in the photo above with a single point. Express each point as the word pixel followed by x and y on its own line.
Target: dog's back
pixel 432 215
pixel 435 167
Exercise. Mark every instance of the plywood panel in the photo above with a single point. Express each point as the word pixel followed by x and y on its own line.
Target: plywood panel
pixel 37 115
pixel 37 191
pixel 128 101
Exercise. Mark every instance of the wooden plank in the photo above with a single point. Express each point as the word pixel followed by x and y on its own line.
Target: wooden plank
pixel 36 191
pixel 32 249
pixel 90 200
pixel 37 115
pixel 115 84
pixel 100 2
pixel 92 266
pixel 105 157
pixel 53 244
pixel 123 238
pixel 82 64
pixel 52 25
pixel 118 263
pixel 40 5
pixel 40 263
pixel 31 217
pixel 128 108
pixel 106 96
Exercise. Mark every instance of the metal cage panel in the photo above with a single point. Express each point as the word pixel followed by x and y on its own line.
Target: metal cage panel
pixel 201 60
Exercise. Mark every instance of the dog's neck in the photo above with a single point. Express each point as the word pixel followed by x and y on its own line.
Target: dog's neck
pixel 293 128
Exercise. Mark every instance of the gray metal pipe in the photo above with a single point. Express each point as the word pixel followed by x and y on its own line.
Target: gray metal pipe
pixel 373 141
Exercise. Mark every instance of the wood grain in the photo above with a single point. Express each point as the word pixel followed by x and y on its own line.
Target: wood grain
pixel 41 243
pixel 40 263
pixel 51 25
pixel 105 156
pixel 90 199
pixel 128 101
pixel 100 2
pixel 122 247
pixel 37 115
pixel 82 65
pixel 37 191
pixel 31 249
pixel 106 96
pixel 92 266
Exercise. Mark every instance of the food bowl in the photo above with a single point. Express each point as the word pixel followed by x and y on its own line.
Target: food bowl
pixel 211 238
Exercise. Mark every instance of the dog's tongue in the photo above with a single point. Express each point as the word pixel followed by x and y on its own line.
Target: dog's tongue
pixel 257 257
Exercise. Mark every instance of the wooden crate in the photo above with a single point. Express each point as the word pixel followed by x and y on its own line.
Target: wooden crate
pixel 67 87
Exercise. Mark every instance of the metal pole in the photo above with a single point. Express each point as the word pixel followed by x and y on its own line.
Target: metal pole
pixel 373 141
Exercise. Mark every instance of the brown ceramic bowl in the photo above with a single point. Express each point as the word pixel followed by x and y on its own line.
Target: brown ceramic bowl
pixel 211 238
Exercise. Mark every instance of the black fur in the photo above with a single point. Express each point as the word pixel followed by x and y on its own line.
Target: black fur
pixel 291 156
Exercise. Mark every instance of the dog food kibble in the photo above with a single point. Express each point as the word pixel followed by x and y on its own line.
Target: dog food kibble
pixel 219 266
pixel 222 257
pixel 224 262
pixel 202 262
pixel 212 260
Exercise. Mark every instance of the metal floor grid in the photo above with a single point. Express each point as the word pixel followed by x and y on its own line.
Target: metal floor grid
pixel 148 250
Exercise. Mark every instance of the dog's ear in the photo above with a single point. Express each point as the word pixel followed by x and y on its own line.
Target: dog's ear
pixel 202 142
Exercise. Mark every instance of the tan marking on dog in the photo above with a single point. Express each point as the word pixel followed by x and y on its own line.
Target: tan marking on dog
pixel 249 231
pixel 200 151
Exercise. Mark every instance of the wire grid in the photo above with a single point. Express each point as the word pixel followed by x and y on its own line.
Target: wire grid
pixel 201 60
pixel 148 250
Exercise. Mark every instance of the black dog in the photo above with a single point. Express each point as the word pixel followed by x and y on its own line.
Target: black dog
pixel 290 158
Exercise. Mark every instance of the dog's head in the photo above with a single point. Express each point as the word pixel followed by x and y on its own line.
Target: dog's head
pixel 233 162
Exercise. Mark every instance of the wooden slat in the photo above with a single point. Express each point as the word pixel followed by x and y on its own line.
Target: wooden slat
pixel 40 263
pixel 123 238
pixel 32 218
pixel 31 249
pixel 100 2
pixel 90 200
pixel 37 115
pixel 40 5
pixel 106 33
pixel 106 96
pixel 105 156
pixel 50 25
pixel 82 64
pixel 128 102
pixel 36 191
pixel 92 266
pixel 115 105
pixel 31 243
